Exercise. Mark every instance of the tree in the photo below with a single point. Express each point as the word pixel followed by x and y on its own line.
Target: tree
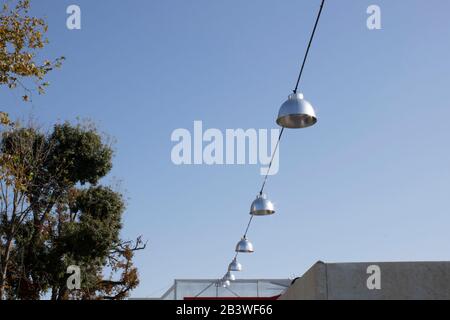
pixel 19 154
pixel 54 213
pixel 21 39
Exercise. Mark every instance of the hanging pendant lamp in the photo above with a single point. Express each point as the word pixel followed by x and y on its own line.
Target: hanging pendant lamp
pixel 226 283
pixel 244 246
pixel 229 276
pixel 296 113
pixel 234 266
pixel 262 206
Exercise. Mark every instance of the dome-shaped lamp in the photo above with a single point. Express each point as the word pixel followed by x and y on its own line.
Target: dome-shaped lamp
pixel 262 206
pixel 234 266
pixel 229 276
pixel 296 113
pixel 226 283
pixel 244 246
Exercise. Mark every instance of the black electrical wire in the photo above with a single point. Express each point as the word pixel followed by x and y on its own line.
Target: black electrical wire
pixel 295 89
pixel 309 46
pixel 282 129
pixel 271 161
pixel 248 226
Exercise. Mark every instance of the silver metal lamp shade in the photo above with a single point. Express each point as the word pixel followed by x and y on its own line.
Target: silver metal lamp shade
pixel 229 276
pixel 244 246
pixel 262 206
pixel 226 283
pixel 234 266
pixel 296 113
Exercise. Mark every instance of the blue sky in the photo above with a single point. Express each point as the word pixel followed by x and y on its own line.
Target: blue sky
pixel 369 182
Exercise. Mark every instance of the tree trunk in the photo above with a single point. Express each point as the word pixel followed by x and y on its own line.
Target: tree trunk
pixel 54 293
pixel 5 268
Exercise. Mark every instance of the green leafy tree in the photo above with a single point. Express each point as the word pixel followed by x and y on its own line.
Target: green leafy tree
pixel 54 213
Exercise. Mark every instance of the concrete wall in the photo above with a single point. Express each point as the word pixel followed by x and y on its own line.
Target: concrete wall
pixel 396 280
pixel 311 286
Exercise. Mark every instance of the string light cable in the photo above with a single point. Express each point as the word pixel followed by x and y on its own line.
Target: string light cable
pixel 244 242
